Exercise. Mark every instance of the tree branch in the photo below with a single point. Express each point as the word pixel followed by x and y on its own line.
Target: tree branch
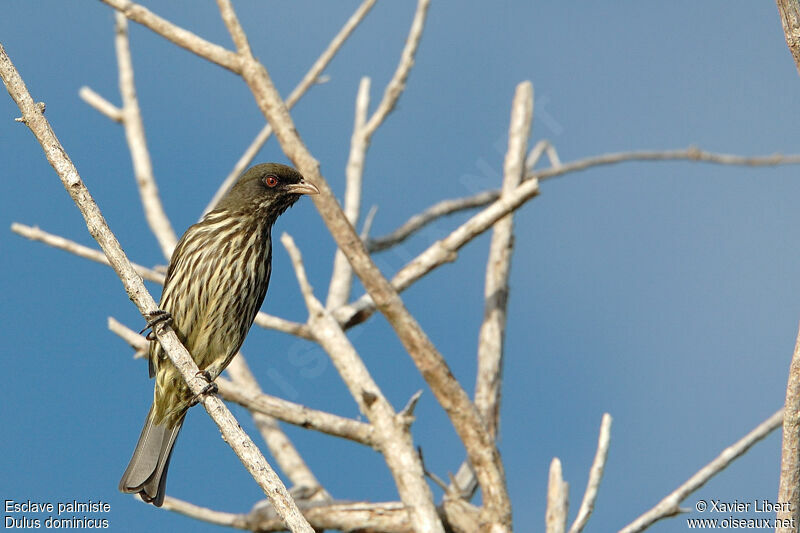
pixel 137 292
pixel 363 129
pixel 595 476
pixel 387 517
pixel 398 82
pixel 669 505
pixel 177 35
pixel 431 214
pixel 789 11
pixel 100 104
pixel 391 431
pixel 789 487
pixel 492 332
pixel 137 144
pixel 342 276
pixel 557 500
pixel 35 234
pixel 280 446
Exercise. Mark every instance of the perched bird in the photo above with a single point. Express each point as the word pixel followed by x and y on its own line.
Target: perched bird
pixel 216 281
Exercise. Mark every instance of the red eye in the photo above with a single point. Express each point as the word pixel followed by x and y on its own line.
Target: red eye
pixel 271 180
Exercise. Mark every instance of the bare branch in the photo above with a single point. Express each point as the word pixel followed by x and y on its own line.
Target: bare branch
pixel 281 324
pixel 100 104
pixel 183 38
pixel 790 19
pixel 789 487
pixel 388 517
pixel 137 144
pixel 368 220
pixel 669 505
pixel 445 250
pixel 134 340
pixel 242 444
pixel 492 332
pixel 280 446
pixel 542 147
pixel 595 476
pixel 235 520
pixel 342 277
pixel 299 415
pixel 309 80
pixel 434 212
pixel 391 433
pixel 35 234
pixel 398 83
pixel 557 500
pixel 363 129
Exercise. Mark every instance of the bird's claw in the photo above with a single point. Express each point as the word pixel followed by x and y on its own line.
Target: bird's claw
pixel 210 388
pixel 159 316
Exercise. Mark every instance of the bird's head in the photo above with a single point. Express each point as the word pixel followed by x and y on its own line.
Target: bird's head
pixel 266 190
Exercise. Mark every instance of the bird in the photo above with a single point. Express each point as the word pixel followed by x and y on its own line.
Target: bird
pixel 216 282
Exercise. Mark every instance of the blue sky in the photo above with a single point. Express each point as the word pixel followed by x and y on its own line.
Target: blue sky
pixel 665 294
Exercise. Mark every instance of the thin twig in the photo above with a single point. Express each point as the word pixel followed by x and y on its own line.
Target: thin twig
pixel 669 505
pixel 391 433
pixel 555 517
pixel 309 80
pixel 100 104
pixel 445 250
pixel 342 276
pixel 219 518
pixel 244 447
pixel 268 321
pixel 137 144
pixel 398 82
pixel 431 214
pixel 542 147
pixel 35 234
pixel 595 476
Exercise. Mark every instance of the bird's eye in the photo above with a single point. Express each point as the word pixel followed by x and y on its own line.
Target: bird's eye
pixel 271 180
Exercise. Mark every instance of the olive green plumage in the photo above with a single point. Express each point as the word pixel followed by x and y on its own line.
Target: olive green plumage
pixel 216 282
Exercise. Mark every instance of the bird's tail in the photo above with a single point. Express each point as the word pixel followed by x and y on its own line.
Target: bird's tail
pixel 147 471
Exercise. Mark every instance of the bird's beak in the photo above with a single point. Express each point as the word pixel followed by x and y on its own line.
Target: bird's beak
pixel 302 188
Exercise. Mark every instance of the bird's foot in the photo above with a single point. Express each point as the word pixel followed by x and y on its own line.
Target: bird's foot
pixel 159 316
pixel 210 388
